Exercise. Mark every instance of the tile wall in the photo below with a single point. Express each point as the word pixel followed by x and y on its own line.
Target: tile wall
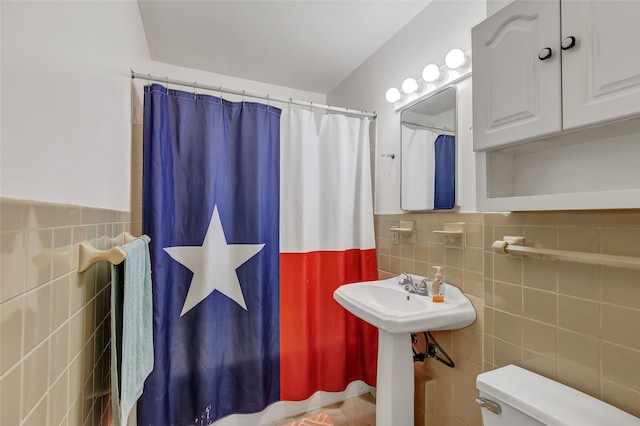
pixel 54 321
pixel 463 266
pixel 575 323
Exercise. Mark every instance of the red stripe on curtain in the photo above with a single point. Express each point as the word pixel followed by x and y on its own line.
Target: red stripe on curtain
pixel 323 346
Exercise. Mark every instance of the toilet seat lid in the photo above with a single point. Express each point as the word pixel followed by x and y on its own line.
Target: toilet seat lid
pixel 549 402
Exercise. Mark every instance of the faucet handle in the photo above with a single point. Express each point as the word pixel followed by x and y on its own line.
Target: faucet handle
pixel 405 280
pixel 425 286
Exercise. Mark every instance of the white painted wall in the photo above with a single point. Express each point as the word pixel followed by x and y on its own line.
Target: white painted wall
pixel 441 26
pixel 495 5
pixel 66 99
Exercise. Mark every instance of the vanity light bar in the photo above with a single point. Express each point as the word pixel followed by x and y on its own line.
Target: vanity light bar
pixel 455 69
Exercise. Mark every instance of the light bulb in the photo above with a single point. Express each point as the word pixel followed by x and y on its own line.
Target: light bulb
pixel 455 58
pixel 393 95
pixel 409 86
pixel 431 73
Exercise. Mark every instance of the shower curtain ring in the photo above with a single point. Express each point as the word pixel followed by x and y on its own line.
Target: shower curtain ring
pixel 167 80
pixel 268 105
pixel 310 105
pixel 290 100
pixel 195 83
pixel 149 79
pixel 220 90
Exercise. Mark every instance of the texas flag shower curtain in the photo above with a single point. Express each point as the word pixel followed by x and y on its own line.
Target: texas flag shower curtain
pixel 256 216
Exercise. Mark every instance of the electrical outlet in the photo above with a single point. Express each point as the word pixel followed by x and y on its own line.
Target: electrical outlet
pixel 395 237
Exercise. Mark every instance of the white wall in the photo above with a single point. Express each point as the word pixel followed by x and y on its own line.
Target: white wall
pixel 66 99
pixel 441 26
pixel 495 5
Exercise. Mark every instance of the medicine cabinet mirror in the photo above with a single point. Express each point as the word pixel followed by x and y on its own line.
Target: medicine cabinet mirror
pixel 428 153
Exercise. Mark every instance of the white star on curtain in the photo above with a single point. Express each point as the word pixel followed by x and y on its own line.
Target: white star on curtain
pixel 213 265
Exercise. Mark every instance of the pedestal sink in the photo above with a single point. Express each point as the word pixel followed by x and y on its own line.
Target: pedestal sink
pixel 398 313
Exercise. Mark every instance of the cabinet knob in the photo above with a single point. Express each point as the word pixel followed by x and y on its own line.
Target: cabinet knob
pixel 545 54
pixel 568 42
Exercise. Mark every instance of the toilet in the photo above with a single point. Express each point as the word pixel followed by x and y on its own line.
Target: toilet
pixel 512 396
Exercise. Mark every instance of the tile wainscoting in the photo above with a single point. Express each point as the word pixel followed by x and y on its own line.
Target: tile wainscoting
pixel 54 322
pixel 574 323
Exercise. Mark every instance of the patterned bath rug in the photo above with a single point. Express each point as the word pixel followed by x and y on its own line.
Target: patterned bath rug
pixel 318 420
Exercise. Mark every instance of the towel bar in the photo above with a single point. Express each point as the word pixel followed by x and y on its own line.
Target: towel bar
pixel 89 255
pixel 515 246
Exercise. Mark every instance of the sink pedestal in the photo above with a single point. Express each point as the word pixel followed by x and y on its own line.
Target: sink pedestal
pixel 397 313
pixel 395 383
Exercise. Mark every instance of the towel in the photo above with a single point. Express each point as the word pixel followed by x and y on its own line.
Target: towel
pixel 131 328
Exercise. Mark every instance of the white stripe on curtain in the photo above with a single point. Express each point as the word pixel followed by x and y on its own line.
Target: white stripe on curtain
pixel 325 182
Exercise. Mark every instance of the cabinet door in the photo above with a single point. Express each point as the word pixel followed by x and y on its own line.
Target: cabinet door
pixel 516 94
pixel 601 73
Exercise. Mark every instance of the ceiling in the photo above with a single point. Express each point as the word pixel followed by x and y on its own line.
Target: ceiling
pixel 303 44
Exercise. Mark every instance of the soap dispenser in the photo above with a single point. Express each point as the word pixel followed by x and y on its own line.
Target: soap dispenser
pixel 437 289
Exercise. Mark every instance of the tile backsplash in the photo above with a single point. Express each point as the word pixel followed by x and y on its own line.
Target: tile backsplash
pixel 54 321
pixel 574 323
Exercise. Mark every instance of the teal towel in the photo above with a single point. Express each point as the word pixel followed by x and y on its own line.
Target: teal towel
pixel 131 328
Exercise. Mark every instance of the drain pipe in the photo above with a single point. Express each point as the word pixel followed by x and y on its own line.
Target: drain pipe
pixel 432 350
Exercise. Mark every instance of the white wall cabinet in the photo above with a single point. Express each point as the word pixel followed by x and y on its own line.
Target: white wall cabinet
pixel 601 73
pixel 536 74
pixel 516 95
pixel 556 106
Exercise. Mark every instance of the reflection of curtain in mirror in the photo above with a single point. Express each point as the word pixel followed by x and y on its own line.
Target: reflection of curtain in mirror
pixel 418 166
pixel 444 196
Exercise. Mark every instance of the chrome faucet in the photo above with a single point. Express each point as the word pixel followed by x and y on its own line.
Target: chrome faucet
pixel 420 289
pixel 406 280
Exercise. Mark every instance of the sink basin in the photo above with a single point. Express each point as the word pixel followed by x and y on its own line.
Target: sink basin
pixel 398 313
pixel 388 306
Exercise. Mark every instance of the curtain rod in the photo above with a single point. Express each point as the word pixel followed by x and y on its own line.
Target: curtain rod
pixel 442 129
pixel 268 98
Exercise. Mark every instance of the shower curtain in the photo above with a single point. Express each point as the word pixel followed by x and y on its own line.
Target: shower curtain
pixel 429 168
pixel 252 228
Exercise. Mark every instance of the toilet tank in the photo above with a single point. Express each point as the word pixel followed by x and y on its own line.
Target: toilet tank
pixel 528 399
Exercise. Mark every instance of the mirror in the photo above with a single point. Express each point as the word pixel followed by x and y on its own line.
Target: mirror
pixel 428 153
